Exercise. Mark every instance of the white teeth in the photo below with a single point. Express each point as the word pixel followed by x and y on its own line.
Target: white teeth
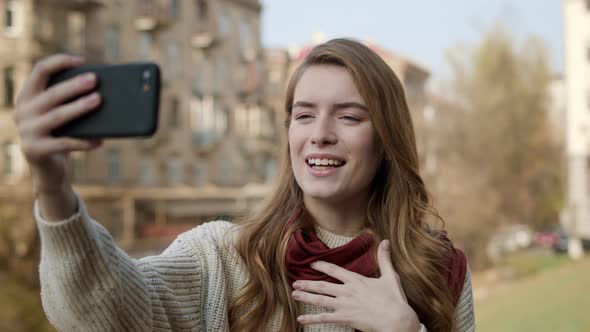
pixel 324 162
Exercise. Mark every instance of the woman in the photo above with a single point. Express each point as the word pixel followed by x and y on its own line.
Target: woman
pixel 342 243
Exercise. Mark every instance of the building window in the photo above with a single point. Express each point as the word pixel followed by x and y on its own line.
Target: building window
pixel 208 121
pixel 174 120
pixel 112 36
pixel 200 175
pixel 145 45
pixel 202 77
pixel 221 74
pixel 202 9
pixel 174 8
pixel 146 176
pixel 12 17
pixel 253 121
pixel 174 167
pixel 223 22
pixel 247 41
pixel 174 56
pixel 270 169
pixel 9 150
pixel 8 86
pixel 225 174
pixel 114 166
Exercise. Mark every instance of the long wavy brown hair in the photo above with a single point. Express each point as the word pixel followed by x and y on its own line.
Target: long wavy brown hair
pixel 398 209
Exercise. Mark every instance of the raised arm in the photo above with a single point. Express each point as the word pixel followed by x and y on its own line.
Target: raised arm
pixel 89 284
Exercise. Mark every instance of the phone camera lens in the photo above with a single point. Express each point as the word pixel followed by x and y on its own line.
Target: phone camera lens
pixel 146 74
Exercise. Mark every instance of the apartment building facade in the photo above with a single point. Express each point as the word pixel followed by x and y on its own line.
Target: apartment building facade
pixel 577 97
pixel 215 150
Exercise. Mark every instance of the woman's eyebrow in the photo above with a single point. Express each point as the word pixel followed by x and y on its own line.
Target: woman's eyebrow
pixel 350 104
pixel 305 104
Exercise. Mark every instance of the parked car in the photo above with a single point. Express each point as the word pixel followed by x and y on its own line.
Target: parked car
pixel 550 237
pixel 556 238
pixel 509 238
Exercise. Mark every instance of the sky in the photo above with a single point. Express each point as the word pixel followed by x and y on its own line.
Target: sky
pixel 419 30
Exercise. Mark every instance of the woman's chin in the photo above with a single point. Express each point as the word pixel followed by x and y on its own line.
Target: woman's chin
pixel 323 195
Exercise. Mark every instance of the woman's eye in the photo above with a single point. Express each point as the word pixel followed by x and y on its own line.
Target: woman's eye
pixel 302 116
pixel 350 118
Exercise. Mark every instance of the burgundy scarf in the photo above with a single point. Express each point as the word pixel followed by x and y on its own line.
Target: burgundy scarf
pixel 305 248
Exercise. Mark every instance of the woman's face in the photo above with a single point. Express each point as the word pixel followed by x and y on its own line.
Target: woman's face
pixel 332 141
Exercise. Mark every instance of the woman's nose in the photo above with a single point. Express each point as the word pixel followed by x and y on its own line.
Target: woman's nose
pixel 323 133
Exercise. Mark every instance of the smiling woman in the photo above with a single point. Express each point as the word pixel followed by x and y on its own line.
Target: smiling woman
pixel 332 125
pixel 342 243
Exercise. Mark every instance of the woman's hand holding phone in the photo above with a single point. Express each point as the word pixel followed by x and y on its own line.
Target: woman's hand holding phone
pixel 38 111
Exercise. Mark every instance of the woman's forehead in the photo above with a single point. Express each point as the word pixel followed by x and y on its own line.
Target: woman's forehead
pixel 326 83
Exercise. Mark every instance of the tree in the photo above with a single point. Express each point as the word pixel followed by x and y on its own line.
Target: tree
pixel 497 161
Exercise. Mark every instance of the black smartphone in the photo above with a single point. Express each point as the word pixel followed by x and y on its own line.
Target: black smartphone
pixel 130 100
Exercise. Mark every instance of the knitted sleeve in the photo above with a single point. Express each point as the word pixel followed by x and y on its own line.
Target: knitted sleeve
pixel 89 284
pixel 464 312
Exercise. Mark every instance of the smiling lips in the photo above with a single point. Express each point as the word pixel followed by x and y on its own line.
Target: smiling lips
pixel 324 165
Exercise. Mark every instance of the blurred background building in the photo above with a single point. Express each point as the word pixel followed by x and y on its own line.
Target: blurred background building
pixel 215 150
pixel 577 86
pixel 221 124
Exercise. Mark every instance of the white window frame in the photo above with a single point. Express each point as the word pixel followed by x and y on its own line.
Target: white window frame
pixel 16 7
pixel 207 119
pixel 16 167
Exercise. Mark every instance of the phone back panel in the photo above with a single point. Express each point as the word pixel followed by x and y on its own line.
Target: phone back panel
pixel 130 101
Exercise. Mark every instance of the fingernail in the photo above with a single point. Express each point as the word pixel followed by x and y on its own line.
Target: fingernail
pixel 93 97
pixel 314 264
pixel 87 78
pixel 385 245
pixel 92 101
pixel 296 284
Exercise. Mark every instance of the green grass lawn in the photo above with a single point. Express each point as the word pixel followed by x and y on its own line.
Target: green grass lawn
pixel 557 298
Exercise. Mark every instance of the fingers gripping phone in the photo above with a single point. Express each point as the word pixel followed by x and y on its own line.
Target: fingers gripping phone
pixel 130 98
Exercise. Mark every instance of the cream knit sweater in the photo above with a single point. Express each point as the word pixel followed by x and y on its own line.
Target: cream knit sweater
pixel 89 284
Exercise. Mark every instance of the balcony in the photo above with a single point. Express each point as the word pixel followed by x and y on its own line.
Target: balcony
pixel 152 15
pixel 83 5
pixel 204 34
pixel 202 40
